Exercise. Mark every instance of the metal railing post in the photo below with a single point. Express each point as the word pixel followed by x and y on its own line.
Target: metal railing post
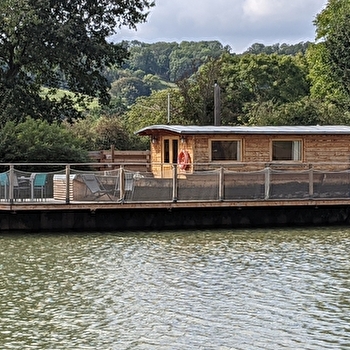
pixel 221 183
pixel 175 183
pixel 267 182
pixel 11 183
pixel 67 184
pixel 311 181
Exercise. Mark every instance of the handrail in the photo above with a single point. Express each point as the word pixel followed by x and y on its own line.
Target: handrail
pixel 229 182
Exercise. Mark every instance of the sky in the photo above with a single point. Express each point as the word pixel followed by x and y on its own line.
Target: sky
pixel 237 23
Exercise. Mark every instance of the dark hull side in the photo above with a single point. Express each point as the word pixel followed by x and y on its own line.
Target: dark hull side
pixel 173 218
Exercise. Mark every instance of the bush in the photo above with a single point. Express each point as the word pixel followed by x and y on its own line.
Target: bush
pixel 38 141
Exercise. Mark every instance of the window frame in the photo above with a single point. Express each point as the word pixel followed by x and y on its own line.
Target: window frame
pixel 239 143
pixel 170 153
pixel 295 159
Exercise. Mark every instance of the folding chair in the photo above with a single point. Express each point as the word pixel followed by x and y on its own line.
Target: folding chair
pixel 39 184
pixel 95 187
pixel 4 185
pixel 21 187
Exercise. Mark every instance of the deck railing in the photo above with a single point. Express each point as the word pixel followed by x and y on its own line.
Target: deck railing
pixel 76 183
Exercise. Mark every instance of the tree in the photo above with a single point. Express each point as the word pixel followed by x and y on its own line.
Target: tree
pixel 245 81
pixel 306 111
pixel 59 44
pixel 129 89
pixel 39 141
pixel 98 133
pixel 109 131
pixel 189 56
pixel 333 29
pixel 198 93
pixel 324 85
pixel 267 77
pixel 172 61
pixel 281 49
pixel 154 110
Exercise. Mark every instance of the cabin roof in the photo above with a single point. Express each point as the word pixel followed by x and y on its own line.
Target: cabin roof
pixel 271 130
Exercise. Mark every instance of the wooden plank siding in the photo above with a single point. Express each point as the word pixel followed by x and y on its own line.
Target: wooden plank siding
pixel 328 148
pixel 256 152
pixel 255 148
pixel 321 147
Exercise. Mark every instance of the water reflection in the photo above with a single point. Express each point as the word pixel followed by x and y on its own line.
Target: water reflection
pixel 176 290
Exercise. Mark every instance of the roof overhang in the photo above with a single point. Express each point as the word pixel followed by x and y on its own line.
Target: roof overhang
pixel 234 130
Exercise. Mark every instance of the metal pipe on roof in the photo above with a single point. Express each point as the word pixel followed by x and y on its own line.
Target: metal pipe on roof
pixel 217 121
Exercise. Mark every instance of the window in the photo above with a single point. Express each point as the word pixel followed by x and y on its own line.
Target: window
pixel 225 150
pixel 286 150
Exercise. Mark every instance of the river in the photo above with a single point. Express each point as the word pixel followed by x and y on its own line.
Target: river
pixel 212 289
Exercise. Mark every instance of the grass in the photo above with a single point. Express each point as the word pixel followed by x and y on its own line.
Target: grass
pixel 60 93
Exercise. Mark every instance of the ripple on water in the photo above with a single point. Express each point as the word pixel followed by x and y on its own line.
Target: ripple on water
pixel 176 290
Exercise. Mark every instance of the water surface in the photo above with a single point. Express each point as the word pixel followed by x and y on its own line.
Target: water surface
pixel 226 289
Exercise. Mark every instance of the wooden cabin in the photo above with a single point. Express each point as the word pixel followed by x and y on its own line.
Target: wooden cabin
pixel 196 148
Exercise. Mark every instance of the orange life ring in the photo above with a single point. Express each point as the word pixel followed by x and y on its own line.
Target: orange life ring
pixel 184 160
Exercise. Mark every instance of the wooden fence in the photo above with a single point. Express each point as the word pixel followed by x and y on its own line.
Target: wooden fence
pixel 133 160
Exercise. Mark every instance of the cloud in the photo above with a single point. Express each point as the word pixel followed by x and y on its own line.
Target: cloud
pixel 238 23
pixel 280 10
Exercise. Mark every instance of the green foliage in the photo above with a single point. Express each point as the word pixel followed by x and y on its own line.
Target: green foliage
pixel 268 85
pixel 306 111
pixel 151 58
pixel 198 94
pixel 116 107
pixel 154 110
pixel 243 80
pixel 280 49
pixel 130 85
pixel 39 141
pixel 189 56
pixel 333 30
pixel 273 77
pixel 98 133
pixel 155 83
pixel 130 89
pixel 59 44
pixel 323 83
pixel 109 131
pixel 172 61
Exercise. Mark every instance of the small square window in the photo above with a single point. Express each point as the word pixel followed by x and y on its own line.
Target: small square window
pixel 225 150
pixel 286 150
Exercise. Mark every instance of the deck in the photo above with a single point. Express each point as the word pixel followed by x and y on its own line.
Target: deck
pixel 122 198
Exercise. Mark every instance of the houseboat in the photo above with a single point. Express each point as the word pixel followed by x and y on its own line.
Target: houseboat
pixel 195 176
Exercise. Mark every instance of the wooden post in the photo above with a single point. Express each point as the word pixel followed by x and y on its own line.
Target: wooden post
pixel 175 183
pixel 267 182
pixel 112 155
pixel 67 183
pixel 121 183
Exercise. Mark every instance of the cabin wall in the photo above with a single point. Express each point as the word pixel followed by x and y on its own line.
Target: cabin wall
pixel 257 150
pixel 327 148
pixel 156 158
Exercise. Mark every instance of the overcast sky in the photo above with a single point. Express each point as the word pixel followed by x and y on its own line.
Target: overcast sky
pixel 237 23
